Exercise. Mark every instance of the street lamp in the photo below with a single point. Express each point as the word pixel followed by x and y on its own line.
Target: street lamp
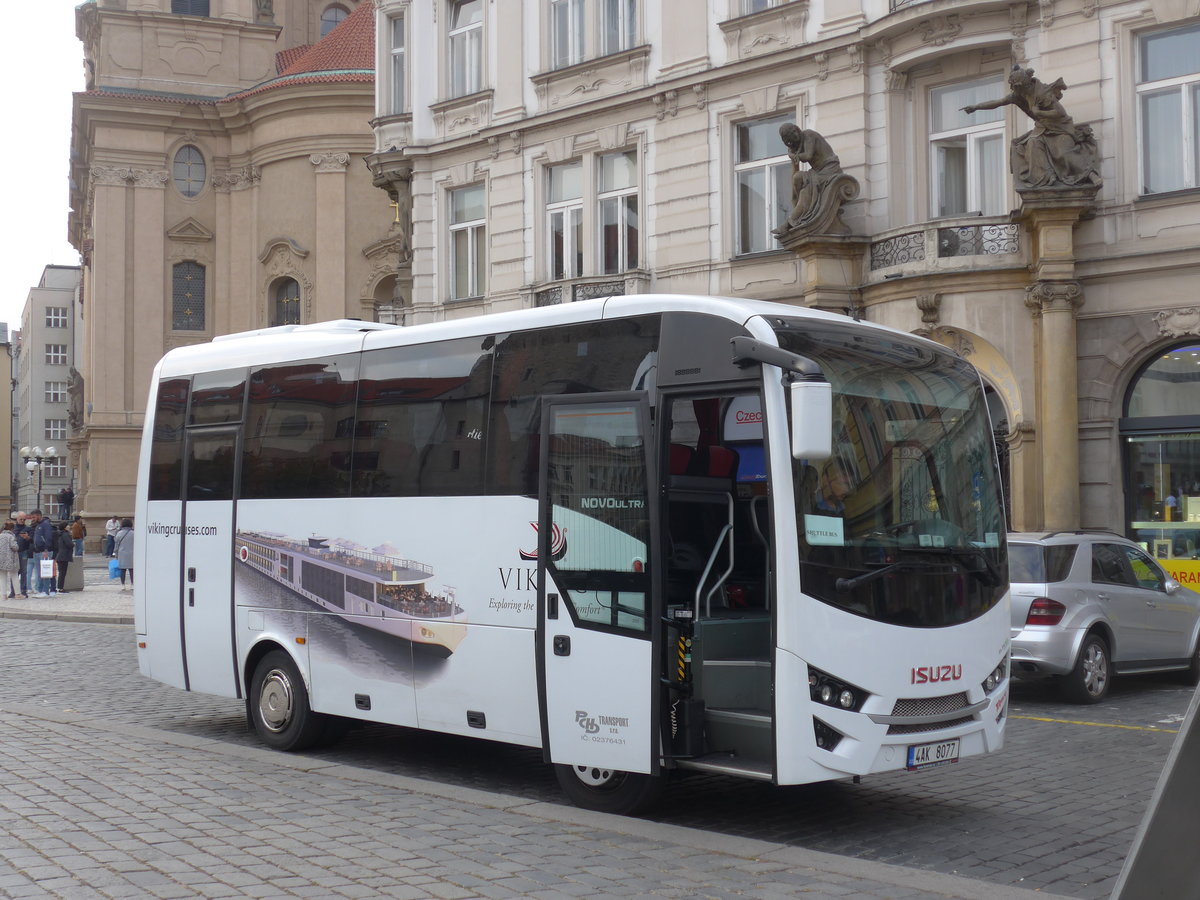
pixel 35 460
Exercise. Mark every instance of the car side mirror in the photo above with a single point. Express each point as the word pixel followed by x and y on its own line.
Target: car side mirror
pixel 1171 586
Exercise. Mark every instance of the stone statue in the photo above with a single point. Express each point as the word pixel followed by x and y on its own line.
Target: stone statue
pixel 819 186
pixel 1057 153
pixel 264 12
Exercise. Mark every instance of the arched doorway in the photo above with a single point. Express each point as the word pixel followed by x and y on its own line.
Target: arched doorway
pixel 1160 438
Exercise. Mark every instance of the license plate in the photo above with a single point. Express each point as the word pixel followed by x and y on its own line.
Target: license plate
pixel 926 756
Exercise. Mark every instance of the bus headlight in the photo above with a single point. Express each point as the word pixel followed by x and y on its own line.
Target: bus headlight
pixel 827 690
pixel 996 676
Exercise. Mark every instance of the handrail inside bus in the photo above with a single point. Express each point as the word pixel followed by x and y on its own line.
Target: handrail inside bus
pixel 726 531
pixel 766 544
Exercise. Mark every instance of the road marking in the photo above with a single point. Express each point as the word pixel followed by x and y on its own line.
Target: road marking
pixel 1097 724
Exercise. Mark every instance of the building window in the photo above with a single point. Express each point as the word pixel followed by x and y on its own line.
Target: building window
pixel 618 211
pixel 56 317
pixel 564 217
pixel 567 32
pixel 1161 436
pixel 966 151
pixel 763 176
pixel 399 65
pixel 1169 109
pixel 466 47
pixel 287 303
pixel 56 392
pixel 187 297
pixel 56 429
pixel 753 6
pixel 55 468
pixel 331 18
pixel 190 7
pixel 468 236
pixel 189 171
pixel 618 25
pixel 56 354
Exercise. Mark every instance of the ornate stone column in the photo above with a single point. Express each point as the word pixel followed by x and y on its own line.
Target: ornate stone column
pixel 329 301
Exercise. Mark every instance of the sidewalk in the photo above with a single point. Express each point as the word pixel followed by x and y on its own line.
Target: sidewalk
pixel 100 601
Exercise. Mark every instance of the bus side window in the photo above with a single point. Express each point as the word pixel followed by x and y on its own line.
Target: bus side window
pixel 166 448
pixel 298 430
pixel 421 420
pixel 586 358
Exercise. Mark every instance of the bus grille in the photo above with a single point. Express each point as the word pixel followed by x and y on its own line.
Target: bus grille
pixel 929 706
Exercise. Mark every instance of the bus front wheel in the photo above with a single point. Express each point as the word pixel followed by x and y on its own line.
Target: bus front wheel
pixel 608 790
pixel 278 705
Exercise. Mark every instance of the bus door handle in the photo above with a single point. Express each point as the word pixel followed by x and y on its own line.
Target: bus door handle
pixel 191 596
pixel 562 645
pixel 552 606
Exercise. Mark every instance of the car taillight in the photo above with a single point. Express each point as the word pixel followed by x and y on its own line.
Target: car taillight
pixel 1044 611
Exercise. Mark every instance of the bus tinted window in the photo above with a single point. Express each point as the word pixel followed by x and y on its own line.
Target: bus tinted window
pixel 217 397
pixel 299 430
pixel 166 448
pixel 210 464
pixel 617 355
pixel 422 419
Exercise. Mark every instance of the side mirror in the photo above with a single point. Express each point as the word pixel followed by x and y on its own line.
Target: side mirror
pixel 1171 586
pixel 812 419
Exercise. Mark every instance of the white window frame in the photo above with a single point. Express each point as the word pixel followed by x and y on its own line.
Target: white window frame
pixel 568 32
pixel 55 467
pixel 56 392
pixel 56 354
pixel 564 216
pixel 465 44
pixel 618 26
pixel 470 237
pixel 749 7
pixel 57 316
pixel 771 168
pixel 619 198
pixel 972 137
pixel 1187 88
pixel 55 429
pixel 398 56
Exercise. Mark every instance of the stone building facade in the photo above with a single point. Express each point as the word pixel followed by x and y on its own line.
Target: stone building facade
pixel 541 151
pixel 217 185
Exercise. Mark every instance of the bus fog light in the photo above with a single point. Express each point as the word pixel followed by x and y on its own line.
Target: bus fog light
pixel 995 677
pixel 826 693
pixel 846 699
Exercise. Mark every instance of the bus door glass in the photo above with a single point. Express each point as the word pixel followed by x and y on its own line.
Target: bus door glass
pixel 210 453
pixel 598 615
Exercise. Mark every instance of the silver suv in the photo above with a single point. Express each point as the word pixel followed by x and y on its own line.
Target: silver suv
pixel 1087 605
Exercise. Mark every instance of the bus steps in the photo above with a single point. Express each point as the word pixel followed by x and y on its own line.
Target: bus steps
pixel 729 764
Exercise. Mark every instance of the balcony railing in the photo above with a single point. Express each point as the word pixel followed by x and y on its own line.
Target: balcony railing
pixel 924 246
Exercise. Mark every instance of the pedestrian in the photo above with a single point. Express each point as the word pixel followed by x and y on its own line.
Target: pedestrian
pixel 123 551
pixel 43 549
pixel 63 554
pixel 10 559
pixel 78 533
pixel 24 535
pixel 66 499
pixel 111 527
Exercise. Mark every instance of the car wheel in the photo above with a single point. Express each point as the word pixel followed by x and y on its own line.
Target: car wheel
pixel 1191 675
pixel 608 790
pixel 1088 681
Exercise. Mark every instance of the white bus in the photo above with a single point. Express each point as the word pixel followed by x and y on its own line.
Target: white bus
pixel 644 534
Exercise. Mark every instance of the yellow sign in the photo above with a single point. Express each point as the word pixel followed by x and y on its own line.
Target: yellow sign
pixel 1185 571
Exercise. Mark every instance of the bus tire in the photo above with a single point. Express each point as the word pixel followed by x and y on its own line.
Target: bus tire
pixel 1088 682
pixel 608 790
pixel 278 705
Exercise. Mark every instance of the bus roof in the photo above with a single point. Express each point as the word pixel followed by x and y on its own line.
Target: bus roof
pixel 318 339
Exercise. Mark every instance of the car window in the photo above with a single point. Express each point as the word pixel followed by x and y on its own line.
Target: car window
pixel 1145 572
pixel 1111 566
pixel 1035 563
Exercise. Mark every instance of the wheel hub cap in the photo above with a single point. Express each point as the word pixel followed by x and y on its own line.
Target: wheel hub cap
pixel 275 700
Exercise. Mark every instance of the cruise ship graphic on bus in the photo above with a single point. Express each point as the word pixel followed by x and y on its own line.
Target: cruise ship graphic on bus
pixel 370 586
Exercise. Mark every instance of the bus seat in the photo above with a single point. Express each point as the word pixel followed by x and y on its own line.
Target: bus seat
pixel 680 459
pixel 722 462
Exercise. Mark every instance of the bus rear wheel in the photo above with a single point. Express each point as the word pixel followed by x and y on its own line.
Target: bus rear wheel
pixel 608 790
pixel 278 705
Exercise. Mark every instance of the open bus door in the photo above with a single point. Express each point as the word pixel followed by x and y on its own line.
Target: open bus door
pixel 598 604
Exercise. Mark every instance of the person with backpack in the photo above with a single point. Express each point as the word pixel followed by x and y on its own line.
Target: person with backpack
pixel 62 557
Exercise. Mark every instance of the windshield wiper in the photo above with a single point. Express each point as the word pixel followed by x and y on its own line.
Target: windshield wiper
pixel 845 585
pixel 984 570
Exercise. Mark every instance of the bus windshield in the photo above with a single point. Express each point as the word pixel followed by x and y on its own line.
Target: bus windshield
pixel 905 522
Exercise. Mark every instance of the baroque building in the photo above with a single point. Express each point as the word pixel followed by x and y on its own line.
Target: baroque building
pixel 1042 220
pixel 217 186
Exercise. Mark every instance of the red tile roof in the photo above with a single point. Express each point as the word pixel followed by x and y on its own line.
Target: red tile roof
pixel 349 46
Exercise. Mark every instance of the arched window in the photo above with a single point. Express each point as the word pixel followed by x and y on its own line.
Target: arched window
pixel 286 303
pixel 1160 432
pixel 189 171
pixel 332 17
pixel 187 297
